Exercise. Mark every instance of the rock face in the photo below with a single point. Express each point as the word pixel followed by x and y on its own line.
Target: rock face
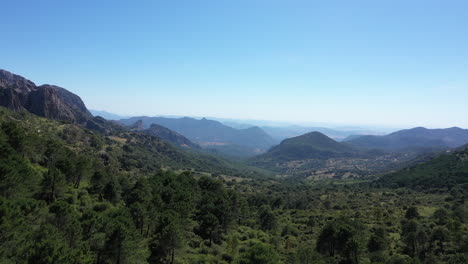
pixel 18 93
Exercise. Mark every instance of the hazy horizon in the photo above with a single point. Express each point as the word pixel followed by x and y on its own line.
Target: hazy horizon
pixel 385 64
pixel 371 128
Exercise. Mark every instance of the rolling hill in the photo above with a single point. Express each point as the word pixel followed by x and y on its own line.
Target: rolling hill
pixel 310 145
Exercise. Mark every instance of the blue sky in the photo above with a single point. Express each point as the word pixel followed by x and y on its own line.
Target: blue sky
pixel 389 62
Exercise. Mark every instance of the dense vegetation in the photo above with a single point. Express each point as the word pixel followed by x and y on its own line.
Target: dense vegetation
pixel 72 195
pixel 315 156
pixel 445 171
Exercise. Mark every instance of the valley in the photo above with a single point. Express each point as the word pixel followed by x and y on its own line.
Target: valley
pixel 234 132
pixel 77 188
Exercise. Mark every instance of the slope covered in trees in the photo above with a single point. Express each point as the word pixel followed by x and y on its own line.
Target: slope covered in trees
pixel 65 200
pixel 95 192
pixel 315 156
pixel 444 171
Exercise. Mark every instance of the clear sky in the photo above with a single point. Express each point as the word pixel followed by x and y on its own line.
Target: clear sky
pixel 386 62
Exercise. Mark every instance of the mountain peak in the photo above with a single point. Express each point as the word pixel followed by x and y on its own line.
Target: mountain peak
pixel 16 82
pixel 311 145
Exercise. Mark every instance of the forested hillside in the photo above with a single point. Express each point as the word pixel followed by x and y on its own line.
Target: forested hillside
pixel 447 170
pixel 71 195
pixel 315 156
pixel 91 191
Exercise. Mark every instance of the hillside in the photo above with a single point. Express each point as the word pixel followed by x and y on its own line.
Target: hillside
pixel 68 120
pixel 103 193
pixel 170 136
pixel 444 171
pixel 310 145
pixel 315 156
pixel 418 137
pixel 133 152
pixel 212 134
pixel 72 195
pixel 165 134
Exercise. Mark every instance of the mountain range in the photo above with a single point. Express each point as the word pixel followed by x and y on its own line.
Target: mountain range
pixel 107 115
pixel 282 132
pixel 165 134
pixel 76 188
pixel 67 118
pixel 214 135
pixel 315 156
pixel 418 137
pixel 310 151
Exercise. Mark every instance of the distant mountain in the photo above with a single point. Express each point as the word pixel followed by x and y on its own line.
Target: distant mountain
pixel 107 115
pixel 18 93
pixel 418 137
pixel 237 125
pixel 168 135
pixel 281 133
pixel 315 156
pixel 352 137
pixel 25 104
pixel 213 134
pixel 307 146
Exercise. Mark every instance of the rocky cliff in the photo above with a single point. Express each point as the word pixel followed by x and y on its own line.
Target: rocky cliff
pixel 18 93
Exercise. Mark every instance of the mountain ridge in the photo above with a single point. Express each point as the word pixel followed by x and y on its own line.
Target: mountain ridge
pixel 170 136
pixel 65 116
pixel 418 137
pixel 212 134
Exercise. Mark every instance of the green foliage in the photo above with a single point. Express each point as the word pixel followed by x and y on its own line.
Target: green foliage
pixel 71 195
pixel 445 171
pixel 260 253
pixel 378 241
pixel 340 238
pixel 412 213
pixel 267 218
